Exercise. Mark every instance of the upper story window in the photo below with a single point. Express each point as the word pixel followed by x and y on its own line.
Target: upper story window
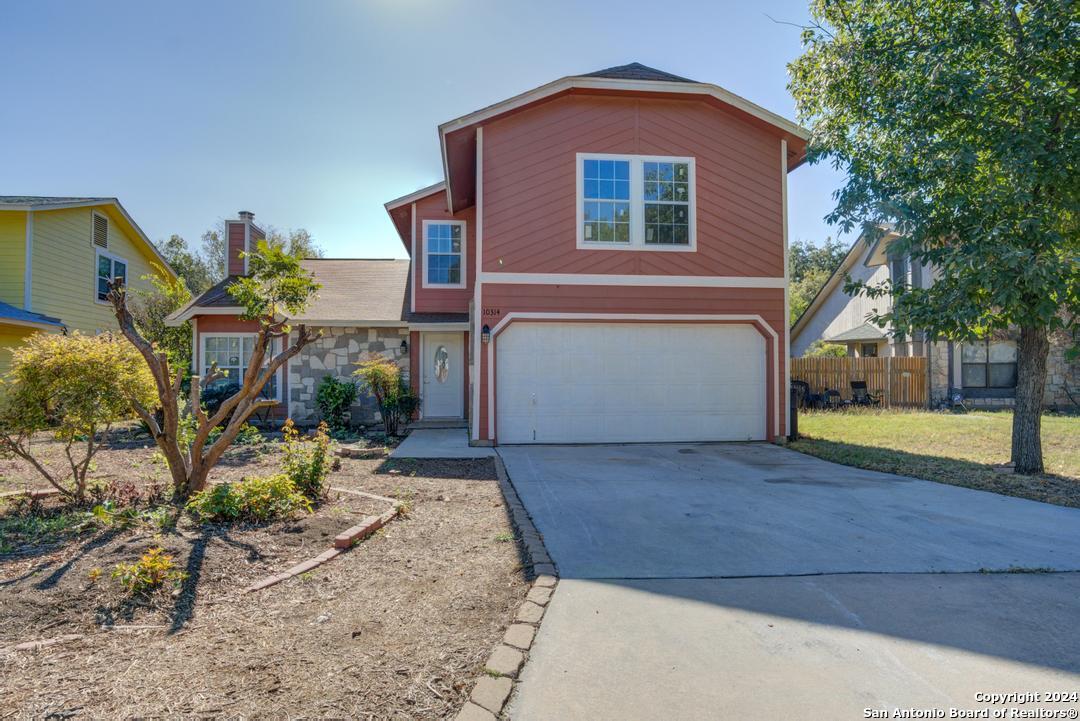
pixel 109 266
pixel 635 202
pixel 444 253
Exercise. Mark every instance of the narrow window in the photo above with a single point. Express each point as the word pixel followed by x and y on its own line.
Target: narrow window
pixel 108 268
pixel 667 203
pixel 444 244
pixel 607 201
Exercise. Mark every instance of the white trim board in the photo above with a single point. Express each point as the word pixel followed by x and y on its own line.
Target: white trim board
pixel 28 272
pixel 414 196
pixel 691 281
pixel 474 355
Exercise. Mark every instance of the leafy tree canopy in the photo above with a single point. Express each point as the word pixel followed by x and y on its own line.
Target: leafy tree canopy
pixel 275 285
pixel 810 265
pixel 191 266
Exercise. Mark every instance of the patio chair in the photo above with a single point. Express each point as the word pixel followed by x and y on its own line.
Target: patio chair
pixel 831 399
pixel 860 396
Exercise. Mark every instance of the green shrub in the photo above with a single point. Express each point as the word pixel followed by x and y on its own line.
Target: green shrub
pixel 382 378
pixel 255 499
pixel 154 568
pixel 307 462
pixel 249 435
pixel 334 397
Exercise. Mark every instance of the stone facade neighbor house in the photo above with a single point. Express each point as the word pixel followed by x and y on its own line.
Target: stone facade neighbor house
pixel 983 373
pixel 56 256
pixel 603 261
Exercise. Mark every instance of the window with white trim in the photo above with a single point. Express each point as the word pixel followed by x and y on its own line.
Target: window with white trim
pixel 108 267
pixel 444 253
pixel 635 202
pixel 232 354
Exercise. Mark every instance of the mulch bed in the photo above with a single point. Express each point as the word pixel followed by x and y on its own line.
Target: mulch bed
pixel 398 627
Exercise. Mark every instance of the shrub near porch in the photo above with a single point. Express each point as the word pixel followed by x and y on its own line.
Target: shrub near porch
pixel 958 449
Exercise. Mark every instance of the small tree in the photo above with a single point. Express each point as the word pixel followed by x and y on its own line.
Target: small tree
pixel 382 377
pixel 76 386
pixel 275 287
pixel 821 349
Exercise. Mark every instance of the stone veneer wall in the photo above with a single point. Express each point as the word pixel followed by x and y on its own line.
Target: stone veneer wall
pixel 336 354
pixel 1060 374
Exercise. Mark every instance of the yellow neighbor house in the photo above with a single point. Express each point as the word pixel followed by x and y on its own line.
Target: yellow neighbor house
pixel 56 256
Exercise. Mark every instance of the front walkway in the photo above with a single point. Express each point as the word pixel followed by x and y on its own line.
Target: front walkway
pixel 439 443
pixel 749 581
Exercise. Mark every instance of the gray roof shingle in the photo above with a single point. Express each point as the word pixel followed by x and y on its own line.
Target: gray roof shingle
pixel 44 201
pixel 637 71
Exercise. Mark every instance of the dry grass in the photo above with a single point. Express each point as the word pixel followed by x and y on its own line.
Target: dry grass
pixel 958 449
pixel 396 628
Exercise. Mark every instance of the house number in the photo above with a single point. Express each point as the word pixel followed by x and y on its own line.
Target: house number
pixel 492 311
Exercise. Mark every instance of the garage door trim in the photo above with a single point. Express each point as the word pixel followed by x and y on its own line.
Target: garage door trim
pixel 749 318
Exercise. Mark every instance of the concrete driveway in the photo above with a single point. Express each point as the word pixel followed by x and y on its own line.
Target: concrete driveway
pixel 748 581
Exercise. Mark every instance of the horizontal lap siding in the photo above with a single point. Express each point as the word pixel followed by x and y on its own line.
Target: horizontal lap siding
pixel 12 256
pixel 443 300
pixel 499 300
pixel 530 192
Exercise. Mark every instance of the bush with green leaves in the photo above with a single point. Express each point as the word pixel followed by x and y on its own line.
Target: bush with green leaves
pixel 149 573
pixel 307 461
pixel 255 499
pixel 334 397
pixel 382 378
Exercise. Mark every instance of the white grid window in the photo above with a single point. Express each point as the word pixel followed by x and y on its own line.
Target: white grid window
pixel 444 253
pixel 232 354
pixel 108 268
pixel 636 202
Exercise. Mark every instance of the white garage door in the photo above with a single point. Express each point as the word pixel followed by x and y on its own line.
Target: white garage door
pixel 629 382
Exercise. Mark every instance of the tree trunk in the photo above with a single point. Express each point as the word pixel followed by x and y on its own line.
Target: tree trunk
pixel 1033 349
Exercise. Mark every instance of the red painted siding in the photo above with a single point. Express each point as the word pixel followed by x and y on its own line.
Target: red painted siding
pixel 499 300
pixel 443 300
pixel 234 234
pixel 530 194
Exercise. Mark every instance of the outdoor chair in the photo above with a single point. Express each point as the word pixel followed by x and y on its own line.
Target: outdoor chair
pixel 831 399
pixel 860 396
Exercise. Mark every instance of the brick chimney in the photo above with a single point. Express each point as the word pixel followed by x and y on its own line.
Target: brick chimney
pixel 241 236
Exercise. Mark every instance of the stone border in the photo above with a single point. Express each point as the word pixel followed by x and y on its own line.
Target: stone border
pixel 343 542
pixel 351 450
pixel 492 690
pixel 30 493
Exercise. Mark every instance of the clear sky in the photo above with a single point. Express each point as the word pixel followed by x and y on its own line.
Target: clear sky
pixel 314 113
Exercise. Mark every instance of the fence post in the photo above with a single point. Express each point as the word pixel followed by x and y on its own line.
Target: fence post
pixel 888 381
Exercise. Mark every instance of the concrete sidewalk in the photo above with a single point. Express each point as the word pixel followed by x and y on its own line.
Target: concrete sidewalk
pixel 439 443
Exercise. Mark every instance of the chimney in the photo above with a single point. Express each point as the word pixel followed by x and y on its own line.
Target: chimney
pixel 241 236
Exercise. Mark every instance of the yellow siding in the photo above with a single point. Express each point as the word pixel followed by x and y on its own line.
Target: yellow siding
pixel 64 266
pixel 11 336
pixel 12 256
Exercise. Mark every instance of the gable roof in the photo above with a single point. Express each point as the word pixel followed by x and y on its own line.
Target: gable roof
pixel 18 316
pixel 865 332
pixel 355 291
pixel 59 202
pixel 457 138
pixel 636 71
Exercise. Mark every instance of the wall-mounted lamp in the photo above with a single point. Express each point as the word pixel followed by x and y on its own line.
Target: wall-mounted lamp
pixel 404 346
pixel 485 335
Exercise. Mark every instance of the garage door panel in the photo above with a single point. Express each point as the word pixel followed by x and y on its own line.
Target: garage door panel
pixel 629 382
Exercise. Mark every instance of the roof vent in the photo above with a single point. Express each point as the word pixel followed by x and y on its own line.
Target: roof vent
pixel 101 231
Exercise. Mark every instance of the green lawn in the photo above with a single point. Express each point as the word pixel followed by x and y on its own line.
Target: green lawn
pixel 956 448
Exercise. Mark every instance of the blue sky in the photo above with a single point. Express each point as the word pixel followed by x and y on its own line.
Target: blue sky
pixel 313 114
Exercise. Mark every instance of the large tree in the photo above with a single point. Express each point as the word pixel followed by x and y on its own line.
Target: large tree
pixel 809 266
pixel 275 287
pixel 197 273
pixel 956 121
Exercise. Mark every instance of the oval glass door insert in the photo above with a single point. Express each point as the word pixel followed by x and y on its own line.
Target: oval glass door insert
pixel 442 364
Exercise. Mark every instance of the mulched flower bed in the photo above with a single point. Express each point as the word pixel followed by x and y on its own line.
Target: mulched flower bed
pixel 398 627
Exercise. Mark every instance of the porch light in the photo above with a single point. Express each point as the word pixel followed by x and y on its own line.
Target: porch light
pixel 485 335
pixel 404 346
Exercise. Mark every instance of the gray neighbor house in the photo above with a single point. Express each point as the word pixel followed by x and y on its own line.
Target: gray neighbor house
pixel 983 372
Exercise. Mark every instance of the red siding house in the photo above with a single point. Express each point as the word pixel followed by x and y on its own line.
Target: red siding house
pixel 604 261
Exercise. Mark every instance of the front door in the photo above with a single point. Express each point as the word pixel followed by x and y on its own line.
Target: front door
pixel 443 393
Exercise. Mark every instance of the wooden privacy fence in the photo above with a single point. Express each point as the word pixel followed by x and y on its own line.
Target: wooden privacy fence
pixel 901 382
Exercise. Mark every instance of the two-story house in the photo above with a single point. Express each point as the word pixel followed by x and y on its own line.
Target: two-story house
pixel 981 372
pixel 56 258
pixel 603 261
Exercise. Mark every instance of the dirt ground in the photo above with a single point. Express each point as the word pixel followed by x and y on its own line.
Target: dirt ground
pixel 396 628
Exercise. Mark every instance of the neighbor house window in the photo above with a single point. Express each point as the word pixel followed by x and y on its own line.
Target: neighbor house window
pixel 635 202
pixel 869 350
pixel 988 364
pixel 108 267
pixel 232 354
pixel 444 253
